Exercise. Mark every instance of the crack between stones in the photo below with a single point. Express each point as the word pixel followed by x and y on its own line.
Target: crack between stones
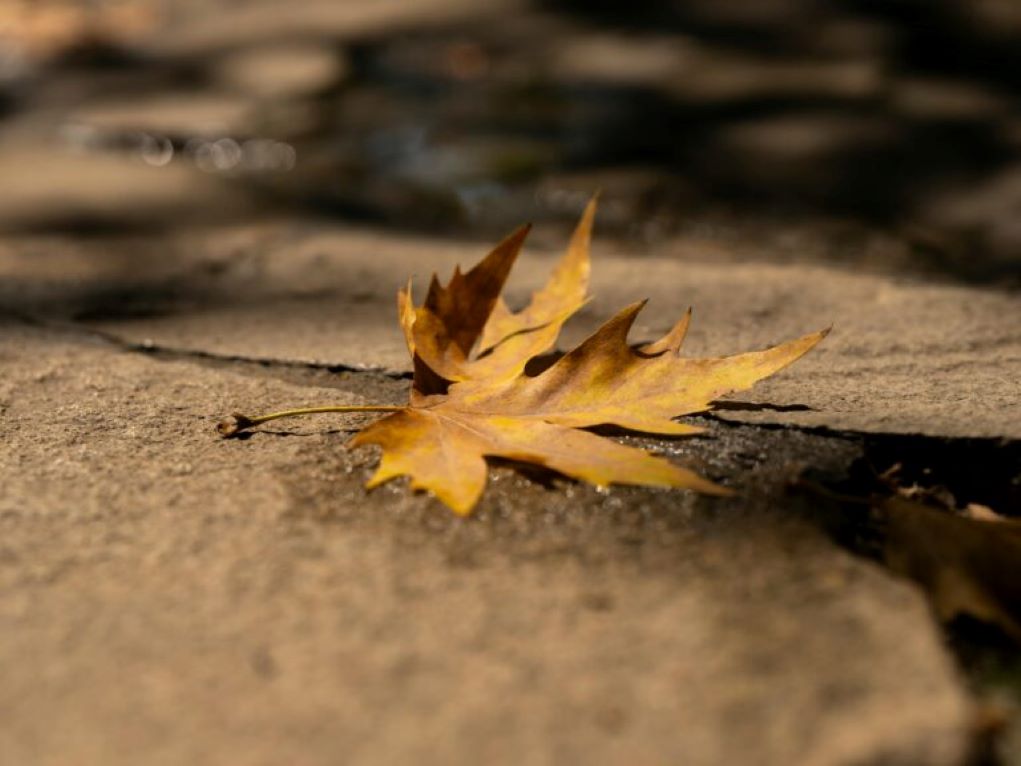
pixel 978 467
pixel 848 433
pixel 160 351
pixel 985 469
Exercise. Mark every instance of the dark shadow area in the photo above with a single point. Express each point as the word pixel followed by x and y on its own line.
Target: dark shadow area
pixel 921 507
pixel 984 471
pixel 839 119
pixel 735 406
pixel 903 121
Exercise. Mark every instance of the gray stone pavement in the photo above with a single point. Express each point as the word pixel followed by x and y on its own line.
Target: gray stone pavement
pixel 169 597
pixel 175 598
pixel 905 356
pixel 172 597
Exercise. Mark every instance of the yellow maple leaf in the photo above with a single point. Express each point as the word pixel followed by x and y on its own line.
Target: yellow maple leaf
pixel 41 31
pixel 469 314
pixel 471 397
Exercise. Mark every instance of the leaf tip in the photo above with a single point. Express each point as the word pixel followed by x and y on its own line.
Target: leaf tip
pixel 635 308
pixel 813 339
pixel 517 238
pixel 382 475
pixel 461 503
pixel 460 510
pixel 705 486
pixel 719 490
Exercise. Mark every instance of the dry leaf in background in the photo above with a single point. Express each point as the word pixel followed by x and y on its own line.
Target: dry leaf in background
pixel 968 566
pixel 37 30
pixel 471 397
pixel 963 555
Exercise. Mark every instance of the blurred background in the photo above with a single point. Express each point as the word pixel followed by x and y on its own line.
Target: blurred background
pixel 877 135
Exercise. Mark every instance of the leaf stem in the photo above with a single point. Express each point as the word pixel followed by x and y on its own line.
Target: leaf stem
pixel 238 422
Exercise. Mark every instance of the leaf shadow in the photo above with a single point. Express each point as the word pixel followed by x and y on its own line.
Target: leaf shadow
pixel 246 435
pixel 537 365
pixel 545 477
pixel 608 429
pixel 738 406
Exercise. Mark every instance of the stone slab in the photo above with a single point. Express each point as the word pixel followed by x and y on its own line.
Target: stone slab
pixel 905 356
pixel 170 597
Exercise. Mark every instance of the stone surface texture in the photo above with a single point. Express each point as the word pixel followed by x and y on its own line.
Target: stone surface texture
pixel 211 210
pixel 905 356
pixel 172 597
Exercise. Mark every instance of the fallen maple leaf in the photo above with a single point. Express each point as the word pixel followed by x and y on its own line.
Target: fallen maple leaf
pixel 39 31
pixel 471 397
pixel 967 566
